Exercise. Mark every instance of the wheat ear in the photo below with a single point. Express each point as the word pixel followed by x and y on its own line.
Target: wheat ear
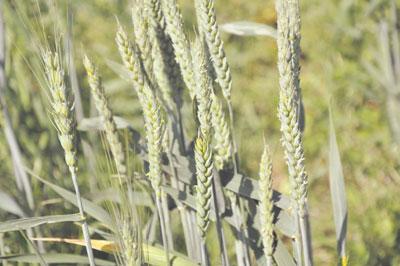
pixel 223 144
pixel 64 121
pixel 289 70
pixel 266 205
pixel 209 27
pixel 97 91
pixel 174 26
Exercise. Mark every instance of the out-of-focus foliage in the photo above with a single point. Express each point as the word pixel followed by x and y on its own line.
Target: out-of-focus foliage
pixel 338 38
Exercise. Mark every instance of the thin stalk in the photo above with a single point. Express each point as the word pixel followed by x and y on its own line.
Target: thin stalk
pixel 168 229
pixel 85 228
pixel 34 248
pixel 306 240
pixel 204 253
pixel 163 230
pixel 182 210
pixel 297 243
pixel 220 232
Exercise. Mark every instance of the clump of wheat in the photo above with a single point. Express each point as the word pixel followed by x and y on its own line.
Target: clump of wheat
pixel 64 121
pixel 104 110
pixel 266 205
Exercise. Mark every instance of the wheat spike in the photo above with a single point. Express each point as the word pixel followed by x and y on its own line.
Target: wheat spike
pixel 141 27
pixel 223 144
pixel 131 61
pixel 64 121
pixel 180 42
pixel 287 110
pixel 104 110
pixel 209 27
pixel 266 205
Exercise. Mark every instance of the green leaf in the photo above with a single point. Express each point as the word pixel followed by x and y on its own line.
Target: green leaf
pixel 89 207
pixel 26 223
pixel 9 204
pixel 248 28
pixel 338 192
pixel 56 258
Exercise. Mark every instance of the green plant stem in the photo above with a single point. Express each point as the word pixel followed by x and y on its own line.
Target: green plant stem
pixel 163 229
pixel 297 241
pixel 85 227
pixel 306 239
pixel 220 231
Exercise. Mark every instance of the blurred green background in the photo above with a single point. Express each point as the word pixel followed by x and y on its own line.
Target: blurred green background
pixel 339 38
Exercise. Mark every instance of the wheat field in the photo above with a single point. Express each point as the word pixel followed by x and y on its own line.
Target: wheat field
pixel 204 132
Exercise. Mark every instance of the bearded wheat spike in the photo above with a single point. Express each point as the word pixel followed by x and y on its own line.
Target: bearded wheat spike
pixel 223 145
pixel 64 121
pixel 266 205
pixel 104 110
pixel 209 27
pixel 180 42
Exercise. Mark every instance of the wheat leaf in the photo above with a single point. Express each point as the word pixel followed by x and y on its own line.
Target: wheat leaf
pixel 55 258
pixel 151 255
pixel 92 209
pixel 338 193
pixel 26 223
pixel 9 204
pixel 248 28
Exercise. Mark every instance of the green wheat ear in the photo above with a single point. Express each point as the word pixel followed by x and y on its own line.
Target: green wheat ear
pixel 180 42
pixel 266 204
pixel 209 27
pixel 97 91
pixel 64 121
pixel 223 144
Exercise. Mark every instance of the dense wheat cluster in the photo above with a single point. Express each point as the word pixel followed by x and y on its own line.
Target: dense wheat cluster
pixel 148 147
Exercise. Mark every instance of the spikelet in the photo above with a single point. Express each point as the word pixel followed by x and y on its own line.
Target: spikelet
pixel 97 91
pixel 209 27
pixel 174 26
pixel 223 145
pixel 288 67
pixel 266 205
